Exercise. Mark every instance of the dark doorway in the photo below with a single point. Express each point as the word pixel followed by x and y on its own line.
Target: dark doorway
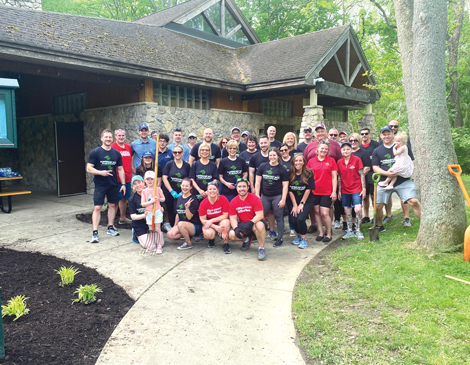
pixel 70 155
pixel 281 130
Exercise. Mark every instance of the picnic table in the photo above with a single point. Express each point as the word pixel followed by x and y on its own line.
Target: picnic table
pixel 9 193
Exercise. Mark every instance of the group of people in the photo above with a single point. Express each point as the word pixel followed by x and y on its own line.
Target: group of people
pixel 241 188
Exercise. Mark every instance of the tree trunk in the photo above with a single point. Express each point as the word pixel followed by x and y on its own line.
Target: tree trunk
pixel 443 219
pixel 453 49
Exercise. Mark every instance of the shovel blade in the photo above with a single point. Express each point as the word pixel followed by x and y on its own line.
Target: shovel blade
pixel 374 234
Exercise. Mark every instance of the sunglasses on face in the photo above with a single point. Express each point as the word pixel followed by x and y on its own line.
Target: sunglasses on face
pixel 192 137
pixel 224 142
pixel 177 152
pixel 353 140
pixel 394 126
pixel 284 150
pixel 333 135
pixel 364 134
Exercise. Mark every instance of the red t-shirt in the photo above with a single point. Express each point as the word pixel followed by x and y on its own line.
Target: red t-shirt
pixel 245 209
pixel 215 210
pixel 126 154
pixel 366 145
pixel 350 178
pixel 322 174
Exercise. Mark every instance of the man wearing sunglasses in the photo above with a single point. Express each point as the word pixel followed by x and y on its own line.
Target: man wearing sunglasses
pixel 177 138
pixel 333 134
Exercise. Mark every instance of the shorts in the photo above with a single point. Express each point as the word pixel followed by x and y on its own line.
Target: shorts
pixel 158 217
pixel 128 192
pixel 243 225
pixel 351 200
pixel 111 192
pixel 370 189
pixel 322 200
pixel 197 229
pixel 140 231
pixel 406 190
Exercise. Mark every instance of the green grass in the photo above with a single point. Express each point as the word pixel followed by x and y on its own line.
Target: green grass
pixel 386 302
pixel 466 181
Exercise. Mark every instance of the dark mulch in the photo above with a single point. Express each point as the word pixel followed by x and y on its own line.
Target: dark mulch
pixel 55 331
pixel 86 218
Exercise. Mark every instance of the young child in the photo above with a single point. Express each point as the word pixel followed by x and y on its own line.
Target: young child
pixel 403 165
pixel 147 202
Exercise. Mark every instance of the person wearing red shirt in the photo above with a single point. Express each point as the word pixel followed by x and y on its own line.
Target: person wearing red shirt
pixel 352 185
pixel 126 153
pixel 213 213
pixel 247 219
pixel 320 135
pixel 325 174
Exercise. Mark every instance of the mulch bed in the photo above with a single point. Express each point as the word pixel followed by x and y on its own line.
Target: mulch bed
pixel 55 331
pixel 86 218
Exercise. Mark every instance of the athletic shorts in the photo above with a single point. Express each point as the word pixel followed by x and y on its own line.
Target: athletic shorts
pixel 351 200
pixel 243 225
pixel 322 200
pixel 111 192
pixel 158 217
pixel 128 192
pixel 406 190
pixel 369 189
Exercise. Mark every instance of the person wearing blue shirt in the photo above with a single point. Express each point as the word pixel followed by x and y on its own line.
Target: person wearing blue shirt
pixel 142 145
pixel 177 137
pixel 164 153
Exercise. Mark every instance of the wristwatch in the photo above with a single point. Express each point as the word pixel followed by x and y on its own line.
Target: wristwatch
pixel 302 203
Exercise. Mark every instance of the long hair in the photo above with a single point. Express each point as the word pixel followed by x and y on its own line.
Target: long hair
pixel 220 143
pixel 305 173
pixel 288 134
pixel 141 169
pixel 190 184
pixel 276 150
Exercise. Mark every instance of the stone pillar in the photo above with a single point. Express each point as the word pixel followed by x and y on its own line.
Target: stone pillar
pixel 313 114
pixel 25 4
pixel 368 120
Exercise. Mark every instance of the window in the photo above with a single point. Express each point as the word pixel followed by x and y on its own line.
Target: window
pixel 8 136
pixel 335 115
pixel 71 103
pixel 276 108
pixel 182 97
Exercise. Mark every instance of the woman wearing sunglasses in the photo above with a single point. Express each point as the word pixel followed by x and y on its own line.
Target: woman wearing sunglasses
pixel 231 169
pixel 175 171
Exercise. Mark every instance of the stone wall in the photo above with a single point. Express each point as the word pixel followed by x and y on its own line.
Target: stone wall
pixel 25 4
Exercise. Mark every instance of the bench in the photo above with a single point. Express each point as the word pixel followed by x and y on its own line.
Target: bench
pixel 9 195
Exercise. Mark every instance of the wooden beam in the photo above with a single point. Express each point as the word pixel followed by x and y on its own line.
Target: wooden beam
pixel 233 31
pixel 344 92
pixel 348 59
pixel 354 74
pixel 313 97
pixel 275 94
pixel 146 93
pixel 222 17
pixel 195 12
pixel 211 23
pixel 340 69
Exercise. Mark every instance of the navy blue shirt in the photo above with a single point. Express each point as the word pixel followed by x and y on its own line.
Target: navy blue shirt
pixel 164 157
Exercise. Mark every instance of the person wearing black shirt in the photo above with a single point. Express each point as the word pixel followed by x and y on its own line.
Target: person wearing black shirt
pixel 251 144
pixel 271 136
pixel 231 169
pixel 258 159
pixel 215 153
pixel 203 171
pixel 308 137
pixel 235 135
pixel 368 145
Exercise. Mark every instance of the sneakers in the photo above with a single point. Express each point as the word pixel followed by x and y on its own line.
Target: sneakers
pixel 227 249
pixel 388 219
pixel 359 235
pixel 211 243
pixel 166 226
pixel 159 250
pixel 303 243
pixel 184 246
pixel 125 221
pixel 381 228
pixel 292 233
pixel 365 220
pixel 246 244
pixel 406 222
pixel 337 225
pixel 272 235
pixel 348 234
pixel 112 231
pixel 95 238
pixel 278 243
pixel 261 254
pixel 199 238
pixel 296 241
pixel 345 227
pixel 312 229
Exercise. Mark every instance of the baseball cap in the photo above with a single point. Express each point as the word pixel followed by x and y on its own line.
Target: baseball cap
pixel 386 128
pixel 148 154
pixel 143 126
pixel 342 132
pixel 149 174
pixel 136 178
pixel 246 132
pixel 192 135
pixel 308 129
pixel 346 144
pixel 235 129
pixel 320 125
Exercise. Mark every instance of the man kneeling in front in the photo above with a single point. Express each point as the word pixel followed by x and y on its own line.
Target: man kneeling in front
pixel 247 219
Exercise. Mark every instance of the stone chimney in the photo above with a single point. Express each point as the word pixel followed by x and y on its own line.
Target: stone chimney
pixel 25 4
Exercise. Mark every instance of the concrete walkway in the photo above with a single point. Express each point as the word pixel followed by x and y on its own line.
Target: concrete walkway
pixel 198 306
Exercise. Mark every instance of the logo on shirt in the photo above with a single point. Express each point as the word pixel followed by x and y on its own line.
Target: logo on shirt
pixel 108 163
pixel 269 177
pixel 125 153
pixel 243 209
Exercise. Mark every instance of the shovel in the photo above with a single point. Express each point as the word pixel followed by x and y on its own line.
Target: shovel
pixel 466 242
pixel 374 230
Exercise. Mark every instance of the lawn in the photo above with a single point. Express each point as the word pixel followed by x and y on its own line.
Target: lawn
pixel 385 302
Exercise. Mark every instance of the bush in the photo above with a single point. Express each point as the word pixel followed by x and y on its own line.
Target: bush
pixel 461 139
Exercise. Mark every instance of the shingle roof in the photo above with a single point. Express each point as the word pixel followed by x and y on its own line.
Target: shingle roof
pixel 166 16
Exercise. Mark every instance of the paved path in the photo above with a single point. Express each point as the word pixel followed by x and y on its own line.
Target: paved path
pixel 198 306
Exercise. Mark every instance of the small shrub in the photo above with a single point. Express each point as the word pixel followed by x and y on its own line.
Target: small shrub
pixel 86 294
pixel 15 307
pixel 67 275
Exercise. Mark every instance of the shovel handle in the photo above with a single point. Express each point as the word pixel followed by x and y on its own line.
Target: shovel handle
pixel 459 180
pixel 455 173
pixel 376 177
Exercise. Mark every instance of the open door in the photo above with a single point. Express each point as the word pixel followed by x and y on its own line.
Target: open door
pixel 70 156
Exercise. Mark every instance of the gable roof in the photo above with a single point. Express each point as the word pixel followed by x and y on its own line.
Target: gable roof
pixel 166 16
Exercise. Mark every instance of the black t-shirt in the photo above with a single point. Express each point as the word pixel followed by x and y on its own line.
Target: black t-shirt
pixel 369 150
pixel 231 171
pixel 241 148
pixel 257 160
pixel 272 178
pixel 366 161
pixel 286 164
pixel 275 143
pixel 175 175
pixel 215 152
pixel 385 158
pixel 135 207
pixel 301 147
pixel 105 160
pixel 294 151
pixel 193 208
pixel 410 151
pixel 246 155
pixel 141 172
pixel 204 174
pixel 298 189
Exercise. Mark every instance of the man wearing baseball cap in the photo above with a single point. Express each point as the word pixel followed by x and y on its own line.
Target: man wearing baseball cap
pixel 320 135
pixel 142 145
pixel 192 139
pixel 245 135
pixel 308 137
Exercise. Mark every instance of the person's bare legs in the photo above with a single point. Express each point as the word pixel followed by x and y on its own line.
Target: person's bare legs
pixel 112 208
pixel 366 204
pixel 326 219
pixel 416 205
pixel 187 230
pixel 174 233
pixel 122 209
pixel 406 209
pixel 318 220
pixel 96 217
pixel 380 213
pixel 260 232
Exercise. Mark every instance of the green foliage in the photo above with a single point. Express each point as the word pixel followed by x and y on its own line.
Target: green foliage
pixel 86 294
pixel 67 275
pixel 461 139
pixel 15 307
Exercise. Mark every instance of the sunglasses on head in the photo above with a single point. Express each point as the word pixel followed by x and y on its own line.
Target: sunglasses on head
pixel 325 142
pixel 216 183
pixel 333 135
pixel 176 129
pixel 364 134
pixel 394 126
pixel 242 179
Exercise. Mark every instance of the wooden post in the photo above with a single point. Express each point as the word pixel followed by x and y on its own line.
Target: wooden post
pixel 313 97
pixel 369 109
pixel 2 343
pixel 146 93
